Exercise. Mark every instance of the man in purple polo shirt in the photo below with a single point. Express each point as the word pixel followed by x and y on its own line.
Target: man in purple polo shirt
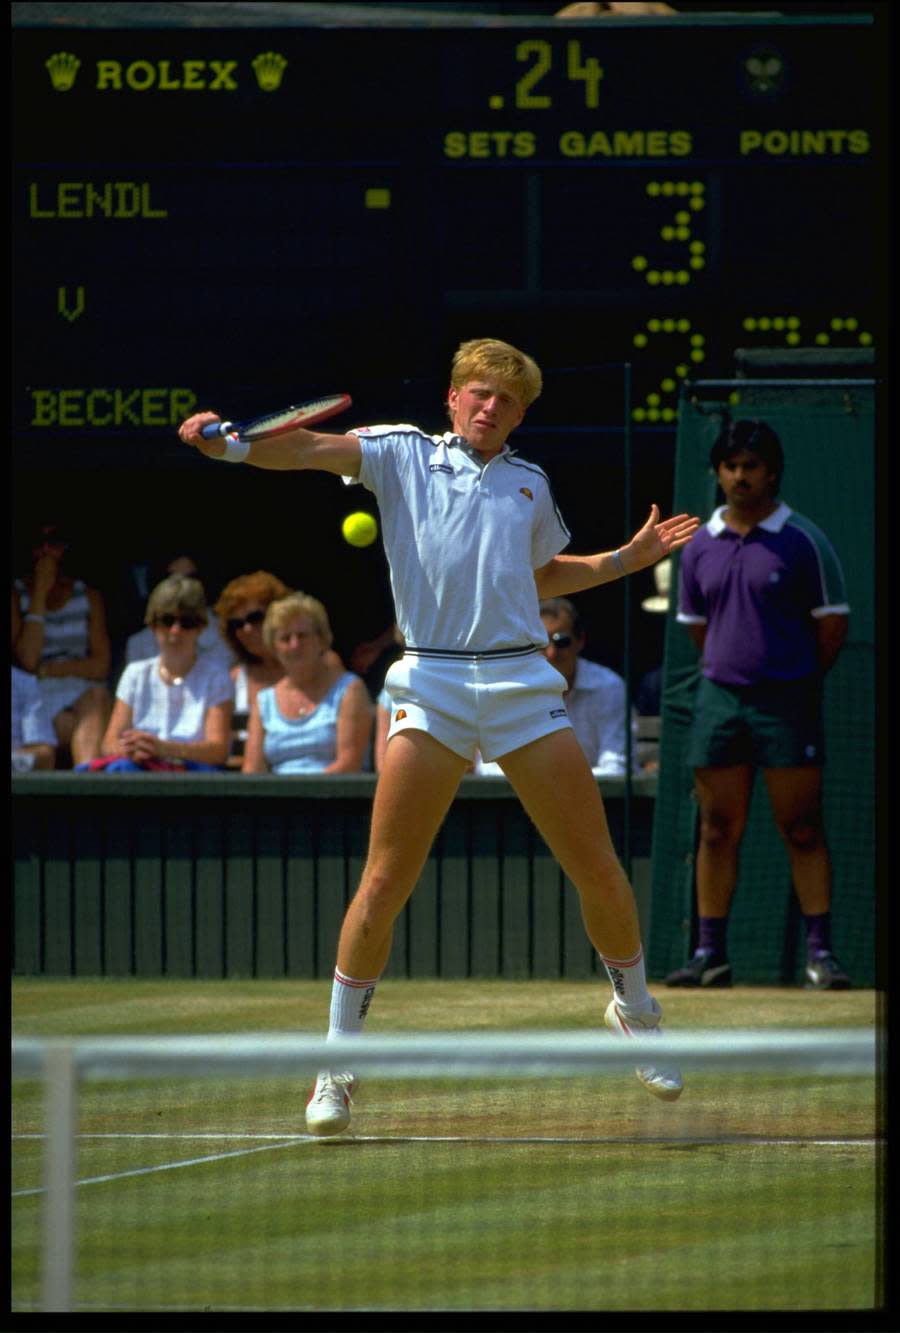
pixel 762 595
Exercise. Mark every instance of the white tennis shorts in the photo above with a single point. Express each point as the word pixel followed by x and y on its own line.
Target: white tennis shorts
pixel 493 704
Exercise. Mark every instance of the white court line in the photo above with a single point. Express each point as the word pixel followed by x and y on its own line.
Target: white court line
pixel 285 1141
pixel 167 1166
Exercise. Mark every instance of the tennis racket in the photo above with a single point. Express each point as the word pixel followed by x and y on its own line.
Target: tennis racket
pixel 279 423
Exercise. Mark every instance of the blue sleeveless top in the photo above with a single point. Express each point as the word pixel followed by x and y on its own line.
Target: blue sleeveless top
pixel 304 744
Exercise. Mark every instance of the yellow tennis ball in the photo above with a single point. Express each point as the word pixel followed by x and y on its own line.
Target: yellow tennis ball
pixel 359 529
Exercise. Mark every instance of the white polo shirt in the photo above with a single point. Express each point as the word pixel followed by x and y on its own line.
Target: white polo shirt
pixel 462 538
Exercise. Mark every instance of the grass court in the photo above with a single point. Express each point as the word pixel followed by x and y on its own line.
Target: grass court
pixel 752 1193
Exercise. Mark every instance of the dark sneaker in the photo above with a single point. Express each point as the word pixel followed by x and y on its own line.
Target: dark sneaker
pixel 826 973
pixel 702 970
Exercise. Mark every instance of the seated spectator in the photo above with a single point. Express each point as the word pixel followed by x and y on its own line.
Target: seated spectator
pixel 241 610
pixel 172 711
pixel 594 695
pixel 140 646
pixel 318 717
pixel 373 658
pixel 31 731
pixel 59 635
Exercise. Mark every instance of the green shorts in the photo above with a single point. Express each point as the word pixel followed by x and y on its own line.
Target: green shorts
pixel 775 724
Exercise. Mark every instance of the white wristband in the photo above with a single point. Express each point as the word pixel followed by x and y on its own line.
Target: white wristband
pixel 33 615
pixel 236 449
pixel 617 561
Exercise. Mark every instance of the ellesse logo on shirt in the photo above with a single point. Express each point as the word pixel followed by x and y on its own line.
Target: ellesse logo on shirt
pixel 523 490
pixel 400 715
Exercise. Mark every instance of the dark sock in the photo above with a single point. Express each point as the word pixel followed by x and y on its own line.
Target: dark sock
pixel 818 935
pixel 713 930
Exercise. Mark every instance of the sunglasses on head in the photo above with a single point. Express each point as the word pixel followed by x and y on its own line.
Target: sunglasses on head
pixel 560 640
pixel 251 618
pixel 186 622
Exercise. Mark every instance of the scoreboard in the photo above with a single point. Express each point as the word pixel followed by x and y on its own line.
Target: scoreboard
pixel 239 217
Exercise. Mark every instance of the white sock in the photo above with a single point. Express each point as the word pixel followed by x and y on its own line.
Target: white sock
pixel 350 1000
pixel 629 983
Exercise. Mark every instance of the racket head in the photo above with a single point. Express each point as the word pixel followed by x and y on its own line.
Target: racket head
pixel 290 418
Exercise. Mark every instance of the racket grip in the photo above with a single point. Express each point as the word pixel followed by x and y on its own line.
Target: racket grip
pixel 216 428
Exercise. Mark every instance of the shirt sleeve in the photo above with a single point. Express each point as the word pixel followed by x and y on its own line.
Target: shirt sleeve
pixel 378 446
pixel 691 602
pixel 126 690
pixel 220 686
pixel 550 534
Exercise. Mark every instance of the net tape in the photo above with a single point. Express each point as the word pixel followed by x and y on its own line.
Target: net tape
pixel 466 1055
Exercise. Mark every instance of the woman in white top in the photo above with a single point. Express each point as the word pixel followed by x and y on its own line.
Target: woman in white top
pixel 172 710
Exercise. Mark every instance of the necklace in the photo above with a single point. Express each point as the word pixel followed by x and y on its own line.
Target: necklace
pixel 303 706
pixel 168 677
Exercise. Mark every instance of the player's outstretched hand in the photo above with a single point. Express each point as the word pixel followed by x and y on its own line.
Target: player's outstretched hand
pixel 657 539
pixel 189 433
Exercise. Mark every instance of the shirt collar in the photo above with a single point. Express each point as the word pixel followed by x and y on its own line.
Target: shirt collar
pixel 774 522
pixel 460 442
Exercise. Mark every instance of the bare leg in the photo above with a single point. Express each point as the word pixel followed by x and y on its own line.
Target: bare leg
pixel 795 795
pixel 86 722
pixel 724 797
pixel 558 790
pixel 417 784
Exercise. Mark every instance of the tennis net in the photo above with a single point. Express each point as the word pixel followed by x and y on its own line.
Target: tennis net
pixel 501 1171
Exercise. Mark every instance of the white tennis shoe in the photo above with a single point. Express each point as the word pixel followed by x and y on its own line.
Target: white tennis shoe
pixel 663 1081
pixel 328 1108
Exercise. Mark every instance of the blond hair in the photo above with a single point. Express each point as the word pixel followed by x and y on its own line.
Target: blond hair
pixel 483 358
pixel 281 612
pixel 179 594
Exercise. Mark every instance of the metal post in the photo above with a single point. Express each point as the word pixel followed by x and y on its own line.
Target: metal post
pixel 60 1112
pixel 626 621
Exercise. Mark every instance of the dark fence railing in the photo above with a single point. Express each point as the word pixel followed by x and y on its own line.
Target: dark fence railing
pixel 227 876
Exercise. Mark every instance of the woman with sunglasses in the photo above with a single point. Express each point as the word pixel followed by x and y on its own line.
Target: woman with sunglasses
pixel 172 711
pixel 143 643
pixel 241 610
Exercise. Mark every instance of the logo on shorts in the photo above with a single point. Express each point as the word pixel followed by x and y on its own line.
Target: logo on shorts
pixel 400 715
pixel 558 712
pixel 523 490
pixel 440 467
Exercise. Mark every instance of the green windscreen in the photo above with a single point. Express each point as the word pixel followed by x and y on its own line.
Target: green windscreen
pixel 827 431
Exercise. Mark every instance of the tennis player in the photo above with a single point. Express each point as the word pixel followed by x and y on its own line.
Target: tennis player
pixel 473 539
